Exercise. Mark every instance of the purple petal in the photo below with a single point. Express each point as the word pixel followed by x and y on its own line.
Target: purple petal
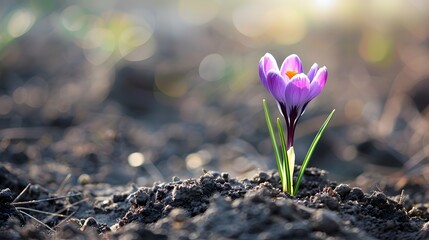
pixel 297 91
pixel 262 73
pixel 318 82
pixel 276 85
pixel 312 72
pixel 267 63
pixel 291 63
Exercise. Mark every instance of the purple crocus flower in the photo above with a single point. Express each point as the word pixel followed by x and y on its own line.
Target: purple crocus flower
pixel 291 88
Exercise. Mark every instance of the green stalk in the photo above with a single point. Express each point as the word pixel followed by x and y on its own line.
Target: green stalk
pixel 310 151
pixel 273 140
pixel 285 161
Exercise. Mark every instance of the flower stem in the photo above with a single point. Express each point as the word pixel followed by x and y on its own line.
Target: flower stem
pixel 287 182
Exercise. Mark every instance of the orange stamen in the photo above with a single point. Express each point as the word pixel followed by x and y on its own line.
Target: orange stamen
pixel 290 74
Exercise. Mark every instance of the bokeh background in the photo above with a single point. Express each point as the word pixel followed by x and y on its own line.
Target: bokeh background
pixel 141 91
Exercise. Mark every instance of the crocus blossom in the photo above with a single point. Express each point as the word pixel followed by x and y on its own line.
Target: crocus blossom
pixel 291 87
pixel 292 90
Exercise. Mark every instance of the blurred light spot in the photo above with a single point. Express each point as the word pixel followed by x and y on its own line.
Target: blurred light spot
pixel 198 12
pixel 20 22
pixel 170 86
pixel 212 67
pixel 286 26
pixel 374 47
pixel 135 43
pixel 73 18
pixel 142 52
pixel 193 161
pixel 324 12
pixel 133 37
pixel 95 37
pixel 118 22
pixel 136 159
pixel 20 95
pixel 353 109
pixel 247 20
pixel 98 44
pixel 323 4
pixel 6 104
pixel 96 56
pixel 84 179
pixel 198 159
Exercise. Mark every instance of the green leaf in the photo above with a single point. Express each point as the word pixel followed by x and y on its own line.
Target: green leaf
pixel 273 140
pixel 285 161
pixel 310 151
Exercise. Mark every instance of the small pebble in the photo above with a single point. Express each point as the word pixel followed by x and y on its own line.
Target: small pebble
pixel 329 201
pixel 176 179
pixel 142 198
pixel 84 179
pixel 225 176
pixel 380 196
pixel 105 203
pixel 263 176
pixel 343 190
pixel 6 196
pixel 355 194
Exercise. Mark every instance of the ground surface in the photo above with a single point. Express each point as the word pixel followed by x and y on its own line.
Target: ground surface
pixel 213 206
pixel 103 141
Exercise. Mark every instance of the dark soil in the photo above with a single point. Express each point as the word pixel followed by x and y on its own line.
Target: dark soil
pixel 214 206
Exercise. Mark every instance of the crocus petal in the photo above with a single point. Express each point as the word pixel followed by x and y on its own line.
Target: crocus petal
pixel 291 63
pixel 276 85
pixel 318 82
pixel 312 72
pixel 267 63
pixel 297 91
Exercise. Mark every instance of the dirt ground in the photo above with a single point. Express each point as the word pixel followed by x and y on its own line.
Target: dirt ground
pixel 213 206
